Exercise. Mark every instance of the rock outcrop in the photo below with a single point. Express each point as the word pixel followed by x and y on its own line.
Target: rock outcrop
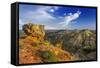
pixel 34 49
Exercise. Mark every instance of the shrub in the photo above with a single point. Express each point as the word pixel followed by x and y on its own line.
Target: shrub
pixel 47 56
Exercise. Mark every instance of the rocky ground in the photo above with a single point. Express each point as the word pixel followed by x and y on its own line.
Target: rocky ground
pixel 34 49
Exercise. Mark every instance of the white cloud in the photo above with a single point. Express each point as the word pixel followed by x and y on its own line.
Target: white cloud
pixel 69 18
pixel 54 9
pixel 41 16
pixel 51 10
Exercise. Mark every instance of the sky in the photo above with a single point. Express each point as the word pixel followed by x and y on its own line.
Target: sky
pixel 58 17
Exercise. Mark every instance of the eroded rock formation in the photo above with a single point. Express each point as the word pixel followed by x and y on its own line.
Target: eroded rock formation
pixel 34 49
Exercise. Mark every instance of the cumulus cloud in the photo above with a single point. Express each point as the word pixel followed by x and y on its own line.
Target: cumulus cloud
pixel 69 18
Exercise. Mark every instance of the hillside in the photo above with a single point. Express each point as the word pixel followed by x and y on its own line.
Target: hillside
pixel 33 48
pixel 80 43
pixel 37 45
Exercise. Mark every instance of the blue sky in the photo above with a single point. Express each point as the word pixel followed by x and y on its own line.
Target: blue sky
pixel 58 17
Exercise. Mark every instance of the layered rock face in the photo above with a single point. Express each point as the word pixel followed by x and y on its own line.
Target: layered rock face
pixel 34 49
pixel 35 31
